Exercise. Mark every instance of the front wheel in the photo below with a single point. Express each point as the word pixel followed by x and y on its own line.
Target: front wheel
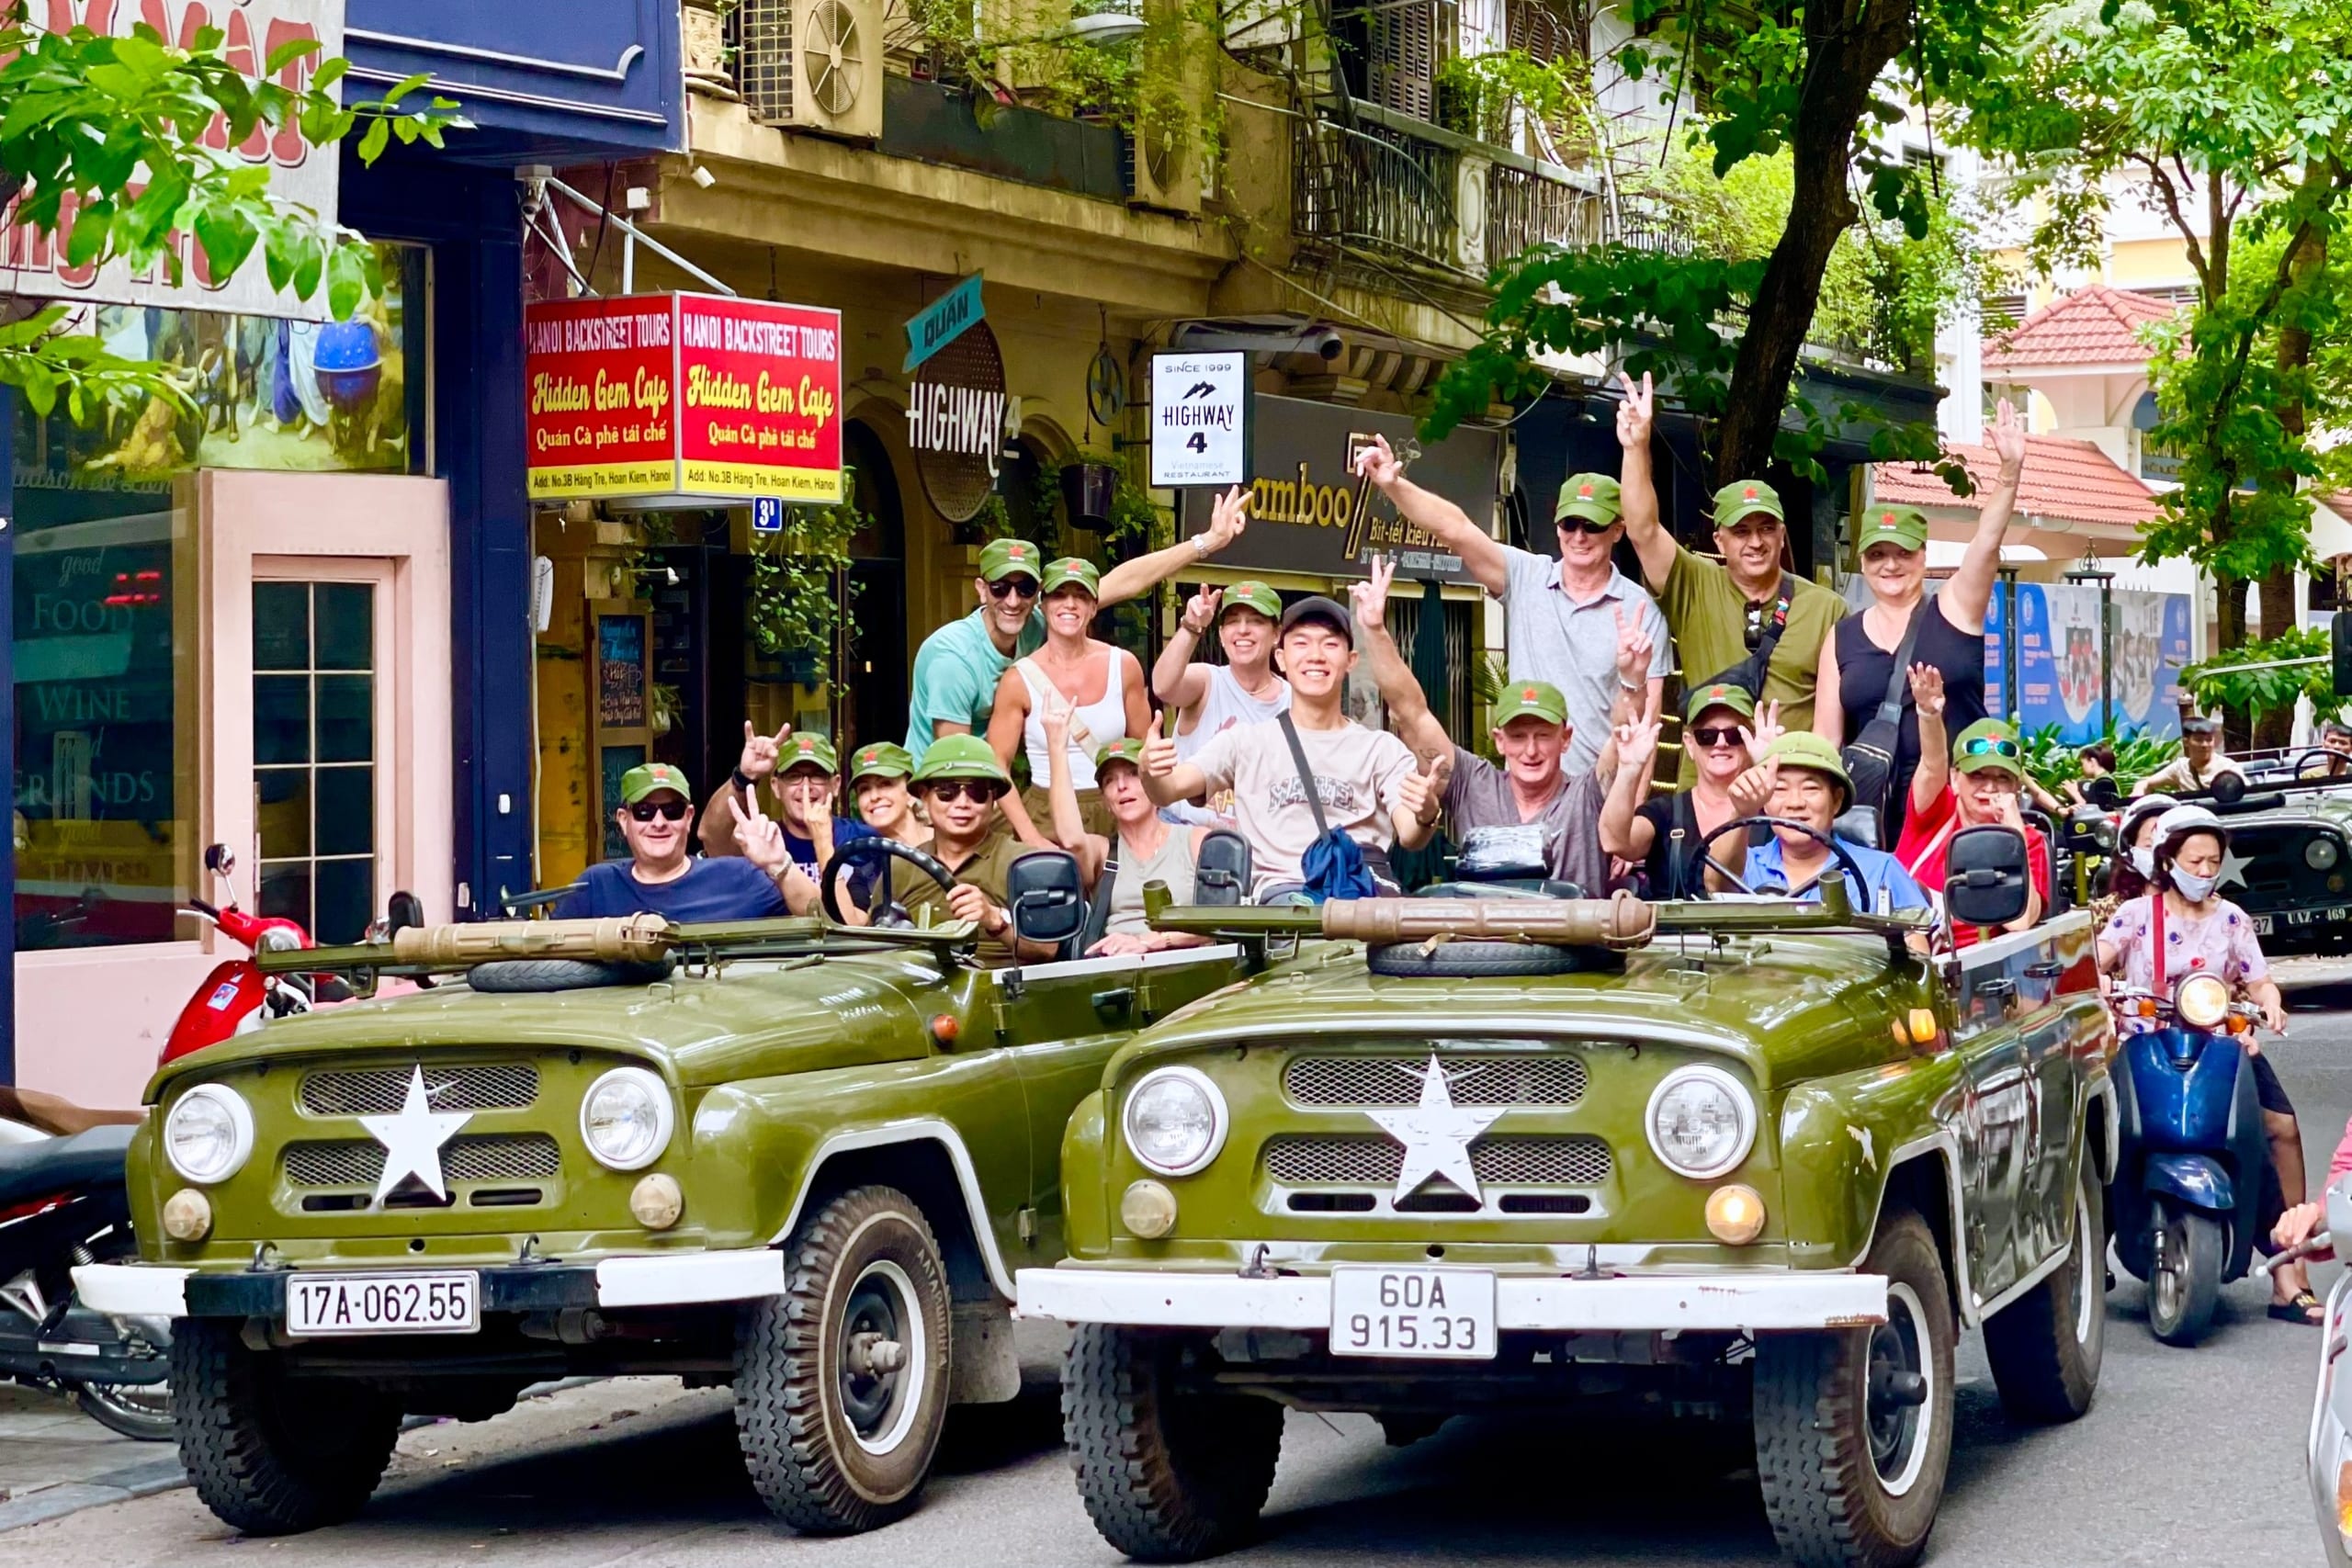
pixel 270 1454
pixel 2186 1281
pixel 2045 1346
pixel 1853 1428
pixel 841 1383
pixel 1167 1473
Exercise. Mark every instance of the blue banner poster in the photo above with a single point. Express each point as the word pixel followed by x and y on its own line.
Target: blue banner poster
pixel 2151 646
pixel 1996 690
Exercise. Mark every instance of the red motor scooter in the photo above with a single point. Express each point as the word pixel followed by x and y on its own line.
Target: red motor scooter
pixel 237 996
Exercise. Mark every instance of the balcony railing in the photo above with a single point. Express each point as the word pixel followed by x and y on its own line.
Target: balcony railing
pixel 1536 206
pixel 1375 186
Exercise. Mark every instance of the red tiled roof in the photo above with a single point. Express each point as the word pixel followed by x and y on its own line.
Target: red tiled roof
pixel 2340 503
pixel 2070 482
pixel 2097 325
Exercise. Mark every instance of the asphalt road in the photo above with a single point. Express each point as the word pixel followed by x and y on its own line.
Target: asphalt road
pixel 2188 1457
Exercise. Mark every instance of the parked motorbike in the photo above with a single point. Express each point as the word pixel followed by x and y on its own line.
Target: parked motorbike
pixel 61 1205
pixel 2188 1187
pixel 236 996
pixel 2328 1448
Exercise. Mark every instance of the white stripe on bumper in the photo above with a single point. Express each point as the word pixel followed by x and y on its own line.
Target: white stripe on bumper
pixel 1733 1302
pixel 132 1290
pixel 689 1277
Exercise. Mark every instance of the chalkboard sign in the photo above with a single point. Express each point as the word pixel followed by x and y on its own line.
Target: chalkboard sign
pixel 615 760
pixel 620 672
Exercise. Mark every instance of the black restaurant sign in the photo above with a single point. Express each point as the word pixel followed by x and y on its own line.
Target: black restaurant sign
pixel 1302 514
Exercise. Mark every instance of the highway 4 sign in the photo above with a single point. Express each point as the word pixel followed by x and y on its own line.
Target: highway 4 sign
pixel 1200 412
pixel 767 514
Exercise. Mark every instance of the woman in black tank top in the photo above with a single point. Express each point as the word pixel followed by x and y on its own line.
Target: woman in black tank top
pixel 1858 661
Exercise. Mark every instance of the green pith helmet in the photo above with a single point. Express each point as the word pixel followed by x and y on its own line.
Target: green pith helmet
pixel 651 778
pixel 1251 595
pixel 1803 749
pixel 961 757
pixel 1127 750
pixel 1593 497
pixel 1904 525
pixel 807 752
pixel 1989 743
pixel 1531 699
pixel 1010 557
pixel 1072 568
pixel 1719 694
pixel 883 760
pixel 1742 497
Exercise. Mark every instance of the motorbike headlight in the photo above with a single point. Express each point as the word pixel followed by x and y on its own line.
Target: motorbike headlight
pixel 1175 1121
pixel 208 1134
pixel 626 1118
pixel 2321 853
pixel 2202 1001
pixel 1701 1123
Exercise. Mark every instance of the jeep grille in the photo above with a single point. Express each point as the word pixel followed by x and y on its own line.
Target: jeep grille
pixel 1372 1159
pixel 1473 1079
pixel 466 1160
pixel 380 1092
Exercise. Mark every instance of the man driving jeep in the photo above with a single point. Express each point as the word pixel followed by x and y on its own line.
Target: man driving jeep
pixel 1802 780
pixel 959 783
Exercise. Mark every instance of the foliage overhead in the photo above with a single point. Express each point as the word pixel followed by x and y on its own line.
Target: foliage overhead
pixel 2223 683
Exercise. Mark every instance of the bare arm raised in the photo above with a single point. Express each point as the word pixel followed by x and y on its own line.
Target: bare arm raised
pixel 1176 680
pixel 1451 525
pixel 1133 580
pixel 1965 598
pixel 1409 718
pixel 1637 490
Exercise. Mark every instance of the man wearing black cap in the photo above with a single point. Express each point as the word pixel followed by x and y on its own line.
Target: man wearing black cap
pixel 2200 763
pixel 1367 781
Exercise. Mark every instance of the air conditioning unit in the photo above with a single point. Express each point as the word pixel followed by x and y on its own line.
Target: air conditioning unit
pixel 813 65
pixel 1163 173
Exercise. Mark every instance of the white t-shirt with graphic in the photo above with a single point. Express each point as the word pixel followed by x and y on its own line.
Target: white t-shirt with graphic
pixel 1357 772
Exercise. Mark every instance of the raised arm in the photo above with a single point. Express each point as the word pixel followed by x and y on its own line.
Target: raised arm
pixel 1637 490
pixel 1969 592
pixel 1933 776
pixel 1069 823
pixel 1176 680
pixel 1478 550
pixel 1623 831
pixel 1133 580
pixel 1409 718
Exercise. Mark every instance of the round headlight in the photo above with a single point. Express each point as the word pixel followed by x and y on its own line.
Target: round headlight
pixel 278 938
pixel 2201 1001
pixel 210 1133
pixel 626 1118
pixel 1701 1121
pixel 1175 1121
pixel 2321 853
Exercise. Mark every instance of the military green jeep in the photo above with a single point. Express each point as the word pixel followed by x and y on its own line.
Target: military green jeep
pixel 1749 1155
pixel 799 1156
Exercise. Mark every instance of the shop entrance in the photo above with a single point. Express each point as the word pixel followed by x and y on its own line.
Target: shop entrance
pixel 873 673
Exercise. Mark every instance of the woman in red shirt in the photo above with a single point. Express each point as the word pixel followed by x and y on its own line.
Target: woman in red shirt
pixel 1975 783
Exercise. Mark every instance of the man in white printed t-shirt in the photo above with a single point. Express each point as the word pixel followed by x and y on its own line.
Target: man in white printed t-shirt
pixel 1212 698
pixel 1367 780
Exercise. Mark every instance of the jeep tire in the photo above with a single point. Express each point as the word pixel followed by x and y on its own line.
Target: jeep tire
pixel 1853 1427
pixel 841 1383
pixel 2045 1346
pixel 1166 1475
pixel 270 1454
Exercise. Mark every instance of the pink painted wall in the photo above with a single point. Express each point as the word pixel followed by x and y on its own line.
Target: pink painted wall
pixel 90 1022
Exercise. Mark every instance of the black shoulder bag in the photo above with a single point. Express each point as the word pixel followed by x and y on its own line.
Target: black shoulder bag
pixel 1748 673
pixel 1870 760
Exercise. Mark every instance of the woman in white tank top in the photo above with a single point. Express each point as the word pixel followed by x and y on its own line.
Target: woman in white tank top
pixel 1212 697
pixel 1102 685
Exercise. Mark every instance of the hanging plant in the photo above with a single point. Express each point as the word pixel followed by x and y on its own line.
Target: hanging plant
pixel 796 606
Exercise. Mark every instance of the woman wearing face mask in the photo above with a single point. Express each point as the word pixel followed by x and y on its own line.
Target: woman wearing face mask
pixel 2181 926
pixel 1101 685
pixel 2134 865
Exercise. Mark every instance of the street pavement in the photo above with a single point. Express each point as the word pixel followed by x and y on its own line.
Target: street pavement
pixel 2188 1457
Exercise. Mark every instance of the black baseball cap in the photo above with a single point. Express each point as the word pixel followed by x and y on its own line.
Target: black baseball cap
pixel 2198 724
pixel 1328 612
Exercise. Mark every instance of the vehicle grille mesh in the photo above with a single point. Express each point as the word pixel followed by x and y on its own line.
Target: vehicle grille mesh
pixel 380 1092
pixel 465 1159
pixel 1372 1159
pixel 1472 1079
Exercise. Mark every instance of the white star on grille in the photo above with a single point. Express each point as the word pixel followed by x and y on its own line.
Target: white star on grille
pixel 2232 868
pixel 1436 1135
pixel 412 1140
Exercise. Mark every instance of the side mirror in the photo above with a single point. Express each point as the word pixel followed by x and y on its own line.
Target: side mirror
pixel 1221 871
pixel 403 911
pixel 1042 893
pixel 2103 790
pixel 218 860
pixel 1986 880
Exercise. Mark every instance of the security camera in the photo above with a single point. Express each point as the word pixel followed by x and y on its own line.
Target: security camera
pixel 703 177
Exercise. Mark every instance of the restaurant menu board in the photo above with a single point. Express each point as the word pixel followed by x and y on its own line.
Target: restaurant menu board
pixel 690 395
pixel 620 672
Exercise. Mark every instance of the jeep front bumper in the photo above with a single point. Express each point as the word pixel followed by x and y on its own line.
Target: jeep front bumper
pixel 686 1279
pixel 1626 1303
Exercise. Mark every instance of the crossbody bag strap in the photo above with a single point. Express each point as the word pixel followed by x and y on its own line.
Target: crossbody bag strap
pixel 1891 710
pixel 1771 639
pixel 2157 899
pixel 1305 773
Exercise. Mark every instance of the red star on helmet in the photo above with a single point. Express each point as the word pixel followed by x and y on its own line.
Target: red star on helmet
pixel 1584 491
pixel 1748 494
pixel 1887 518
pixel 1528 695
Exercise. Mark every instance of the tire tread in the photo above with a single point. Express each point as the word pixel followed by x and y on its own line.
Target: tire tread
pixel 255 1478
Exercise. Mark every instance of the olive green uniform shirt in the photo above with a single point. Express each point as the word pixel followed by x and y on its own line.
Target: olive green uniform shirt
pixel 988 868
pixel 1708 615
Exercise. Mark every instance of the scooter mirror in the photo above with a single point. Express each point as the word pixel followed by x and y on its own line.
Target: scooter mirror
pixel 218 860
pixel 403 911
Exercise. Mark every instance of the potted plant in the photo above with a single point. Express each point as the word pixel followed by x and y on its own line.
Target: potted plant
pixel 1090 493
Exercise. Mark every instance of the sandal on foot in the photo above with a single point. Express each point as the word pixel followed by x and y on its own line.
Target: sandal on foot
pixel 2303 1307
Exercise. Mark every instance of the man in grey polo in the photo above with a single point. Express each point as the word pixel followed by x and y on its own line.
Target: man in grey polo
pixel 1563 617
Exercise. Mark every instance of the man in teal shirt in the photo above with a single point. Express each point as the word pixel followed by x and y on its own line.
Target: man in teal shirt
pixel 957 668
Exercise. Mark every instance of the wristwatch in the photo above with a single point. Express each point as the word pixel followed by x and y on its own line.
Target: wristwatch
pixel 1201 546
pixel 1637 687
pixel 740 781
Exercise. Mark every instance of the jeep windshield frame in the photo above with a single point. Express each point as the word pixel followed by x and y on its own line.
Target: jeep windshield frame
pixel 793 936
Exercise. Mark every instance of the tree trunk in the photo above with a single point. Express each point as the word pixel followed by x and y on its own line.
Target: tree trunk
pixel 2306 256
pixel 2275 728
pixel 1847 45
pixel 2229 615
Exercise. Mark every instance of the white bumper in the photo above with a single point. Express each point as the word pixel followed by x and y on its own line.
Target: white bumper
pixel 1738 1302
pixel 151 1289
pixel 132 1290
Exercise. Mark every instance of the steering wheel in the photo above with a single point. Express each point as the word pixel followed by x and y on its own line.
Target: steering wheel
pixel 2336 764
pixel 880 851
pixel 1846 863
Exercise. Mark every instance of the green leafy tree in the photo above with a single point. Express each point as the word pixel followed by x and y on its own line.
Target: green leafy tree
pixel 104 148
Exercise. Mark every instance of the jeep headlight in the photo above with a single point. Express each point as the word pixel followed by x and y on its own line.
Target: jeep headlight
pixel 626 1118
pixel 2202 1001
pixel 1175 1121
pixel 1701 1122
pixel 2320 852
pixel 210 1133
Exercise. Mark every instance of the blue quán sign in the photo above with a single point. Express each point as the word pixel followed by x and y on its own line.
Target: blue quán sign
pixel 939 322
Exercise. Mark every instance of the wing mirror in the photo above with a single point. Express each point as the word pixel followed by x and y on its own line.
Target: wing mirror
pixel 218 860
pixel 403 911
pixel 1221 871
pixel 1987 879
pixel 1042 893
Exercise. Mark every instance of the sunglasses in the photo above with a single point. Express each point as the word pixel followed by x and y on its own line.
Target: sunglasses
pixel 978 790
pixel 1013 587
pixel 1584 526
pixel 1716 735
pixel 1992 746
pixel 667 810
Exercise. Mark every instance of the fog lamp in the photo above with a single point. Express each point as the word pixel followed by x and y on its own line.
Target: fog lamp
pixel 1736 1213
pixel 1923 1026
pixel 1147 1210
pixel 656 1201
pixel 188 1215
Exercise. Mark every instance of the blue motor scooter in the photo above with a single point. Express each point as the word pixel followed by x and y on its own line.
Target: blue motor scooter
pixel 2188 1187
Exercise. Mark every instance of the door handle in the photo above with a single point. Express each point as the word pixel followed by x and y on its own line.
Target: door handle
pixel 2049 969
pixel 1116 1000
pixel 2001 989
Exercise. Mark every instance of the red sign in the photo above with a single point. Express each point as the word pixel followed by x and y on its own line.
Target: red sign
pixel 684 394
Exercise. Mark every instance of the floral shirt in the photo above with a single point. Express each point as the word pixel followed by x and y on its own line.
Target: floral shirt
pixel 2221 943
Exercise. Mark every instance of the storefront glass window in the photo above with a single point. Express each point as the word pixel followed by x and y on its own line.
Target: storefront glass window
pixel 314 751
pixel 104 660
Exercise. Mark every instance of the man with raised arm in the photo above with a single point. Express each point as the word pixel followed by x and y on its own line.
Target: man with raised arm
pixel 1724 614
pixel 1531 733
pixel 1562 616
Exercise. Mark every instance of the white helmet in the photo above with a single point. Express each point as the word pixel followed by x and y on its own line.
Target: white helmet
pixel 2139 811
pixel 2189 819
